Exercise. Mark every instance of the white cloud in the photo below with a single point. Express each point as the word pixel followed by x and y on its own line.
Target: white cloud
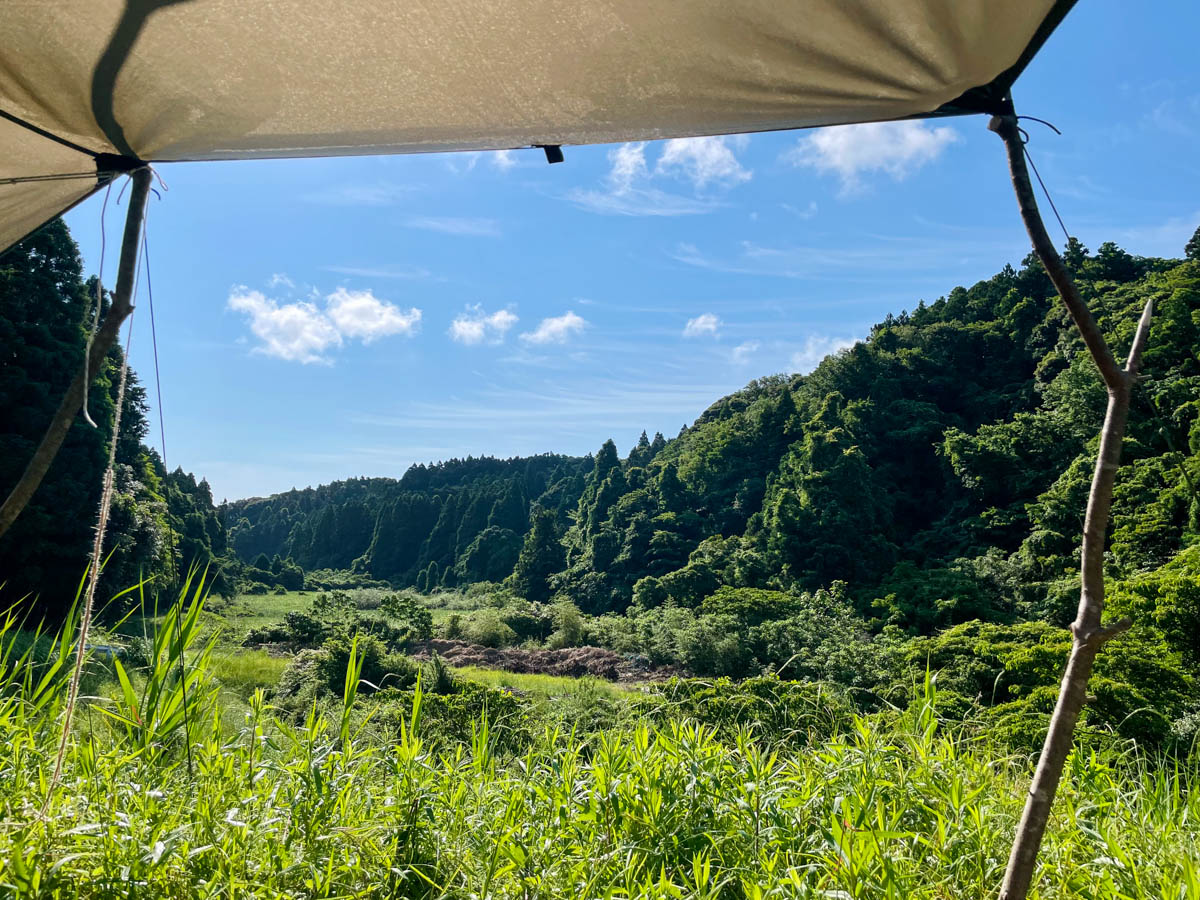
pixel 815 349
pixel 360 314
pixel 293 331
pixel 849 151
pixel 628 166
pixel 704 159
pixel 475 326
pixel 555 330
pixel 504 160
pixel 629 189
pixel 742 353
pixel 279 279
pixel 303 332
pixel 705 323
pixel 456 225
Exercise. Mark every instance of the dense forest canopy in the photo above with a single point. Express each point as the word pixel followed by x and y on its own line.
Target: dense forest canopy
pixel 938 469
pixel 918 496
pixel 161 521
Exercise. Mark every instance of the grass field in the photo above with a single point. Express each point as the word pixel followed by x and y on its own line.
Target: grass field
pixel 248 611
pixel 544 685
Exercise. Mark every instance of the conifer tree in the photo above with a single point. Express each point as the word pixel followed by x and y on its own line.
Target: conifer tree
pixel 541 556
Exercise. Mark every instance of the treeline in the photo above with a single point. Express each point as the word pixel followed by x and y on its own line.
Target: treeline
pixel 442 525
pixel 161 521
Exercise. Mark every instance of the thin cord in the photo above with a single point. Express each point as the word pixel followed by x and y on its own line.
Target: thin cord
pixel 1032 165
pixel 87 350
pixel 1049 199
pixel 162 436
pixel 1043 122
pixel 65 176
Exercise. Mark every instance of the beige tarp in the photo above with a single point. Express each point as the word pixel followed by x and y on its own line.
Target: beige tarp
pixel 158 80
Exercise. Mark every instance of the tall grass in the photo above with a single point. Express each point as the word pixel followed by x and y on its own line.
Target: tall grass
pixel 891 808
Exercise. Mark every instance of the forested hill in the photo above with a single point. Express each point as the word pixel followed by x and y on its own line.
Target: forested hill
pixel 938 468
pixel 452 523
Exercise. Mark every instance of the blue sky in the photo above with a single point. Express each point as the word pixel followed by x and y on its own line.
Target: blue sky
pixel 322 319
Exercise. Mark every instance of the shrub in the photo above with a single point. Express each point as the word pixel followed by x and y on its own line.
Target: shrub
pixel 410 614
pixel 488 629
pixel 568 625
pixel 380 667
pixel 456 718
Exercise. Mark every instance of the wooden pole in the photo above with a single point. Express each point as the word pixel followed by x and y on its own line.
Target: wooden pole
pixel 1088 633
pixel 105 337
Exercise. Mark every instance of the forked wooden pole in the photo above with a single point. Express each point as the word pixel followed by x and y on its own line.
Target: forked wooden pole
pixel 105 337
pixel 1089 634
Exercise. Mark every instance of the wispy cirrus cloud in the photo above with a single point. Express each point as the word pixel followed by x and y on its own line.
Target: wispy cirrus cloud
pixel 806 212
pixel 399 271
pixel 301 331
pixel 870 258
pixel 1166 238
pixel 896 149
pixel 556 329
pixel 475 326
pixel 465 226
pixel 379 193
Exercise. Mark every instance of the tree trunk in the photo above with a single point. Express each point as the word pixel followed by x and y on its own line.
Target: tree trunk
pixel 104 338
pixel 1089 635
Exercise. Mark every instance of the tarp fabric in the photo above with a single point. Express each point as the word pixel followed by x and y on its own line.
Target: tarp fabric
pixel 166 80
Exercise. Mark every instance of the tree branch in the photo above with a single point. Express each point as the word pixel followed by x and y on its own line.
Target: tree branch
pixel 106 335
pixel 1006 127
pixel 1088 631
pixel 1139 340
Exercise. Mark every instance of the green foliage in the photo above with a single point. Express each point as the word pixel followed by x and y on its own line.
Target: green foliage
pixel 408 612
pixel 540 557
pixel 763 786
pixel 1140 687
pixel 771 709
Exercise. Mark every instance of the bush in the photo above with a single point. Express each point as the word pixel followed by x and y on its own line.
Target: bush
pixel 453 629
pixel 380 667
pixel 410 614
pixel 488 629
pixel 568 625
pixel 319 676
pixel 455 718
